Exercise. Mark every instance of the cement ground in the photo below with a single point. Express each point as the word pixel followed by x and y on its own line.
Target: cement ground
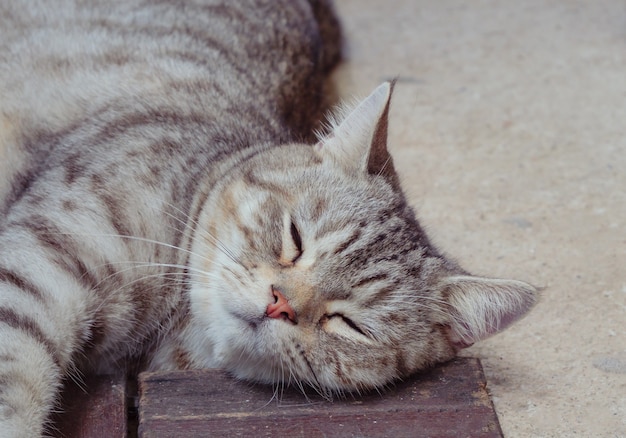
pixel 508 127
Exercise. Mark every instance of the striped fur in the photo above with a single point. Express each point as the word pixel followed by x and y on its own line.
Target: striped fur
pixel 156 200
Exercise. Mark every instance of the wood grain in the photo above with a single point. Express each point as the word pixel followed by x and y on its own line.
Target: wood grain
pixel 96 408
pixel 448 401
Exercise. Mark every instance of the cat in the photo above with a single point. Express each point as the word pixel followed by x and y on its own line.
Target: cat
pixel 165 204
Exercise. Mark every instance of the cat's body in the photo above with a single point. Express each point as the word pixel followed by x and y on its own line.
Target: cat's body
pixel 158 211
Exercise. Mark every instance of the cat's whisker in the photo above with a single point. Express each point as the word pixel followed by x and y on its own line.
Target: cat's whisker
pixel 298 382
pixel 312 380
pixel 383 168
pixel 277 373
pixel 169 277
pixel 177 209
pixel 141 264
pixel 77 376
pixel 301 386
pixel 134 238
pixel 187 273
pixel 219 245
pixel 280 380
pixel 203 232
pixel 215 242
pixel 268 402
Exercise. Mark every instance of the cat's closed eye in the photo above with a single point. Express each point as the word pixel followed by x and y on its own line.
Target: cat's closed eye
pixel 339 318
pixel 297 241
pixel 291 242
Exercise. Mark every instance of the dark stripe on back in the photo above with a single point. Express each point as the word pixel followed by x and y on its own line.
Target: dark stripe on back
pixel 63 247
pixel 30 327
pixel 17 280
pixel 98 330
pixel 110 128
pixel 116 212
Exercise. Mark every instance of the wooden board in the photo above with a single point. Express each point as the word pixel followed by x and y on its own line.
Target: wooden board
pixel 96 408
pixel 448 401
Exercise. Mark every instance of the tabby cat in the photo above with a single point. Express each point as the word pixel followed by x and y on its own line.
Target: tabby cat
pixel 163 205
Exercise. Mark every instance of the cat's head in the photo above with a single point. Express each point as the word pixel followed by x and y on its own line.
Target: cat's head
pixel 310 267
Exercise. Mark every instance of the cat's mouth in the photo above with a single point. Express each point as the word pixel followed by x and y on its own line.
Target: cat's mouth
pixel 274 311
pixel 251 321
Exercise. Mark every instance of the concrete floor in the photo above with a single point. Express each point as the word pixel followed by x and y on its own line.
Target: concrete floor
pixel 508 127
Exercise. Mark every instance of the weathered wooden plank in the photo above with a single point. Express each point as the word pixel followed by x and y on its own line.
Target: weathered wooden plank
pixel 96 408
pixel 448 401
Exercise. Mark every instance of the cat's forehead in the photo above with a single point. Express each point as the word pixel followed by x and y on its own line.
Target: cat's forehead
pixel 298 176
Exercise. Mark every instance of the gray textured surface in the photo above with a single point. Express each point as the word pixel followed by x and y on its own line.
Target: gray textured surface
pixel 509 130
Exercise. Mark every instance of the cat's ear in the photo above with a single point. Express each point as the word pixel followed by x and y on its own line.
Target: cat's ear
pixel 481 307
pixel 359 141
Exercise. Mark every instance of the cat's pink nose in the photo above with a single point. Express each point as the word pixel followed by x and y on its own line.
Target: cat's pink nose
pixel 280 308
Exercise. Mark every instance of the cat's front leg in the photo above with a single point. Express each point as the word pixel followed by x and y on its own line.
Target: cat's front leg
pixel 42 325
pixel 29 376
